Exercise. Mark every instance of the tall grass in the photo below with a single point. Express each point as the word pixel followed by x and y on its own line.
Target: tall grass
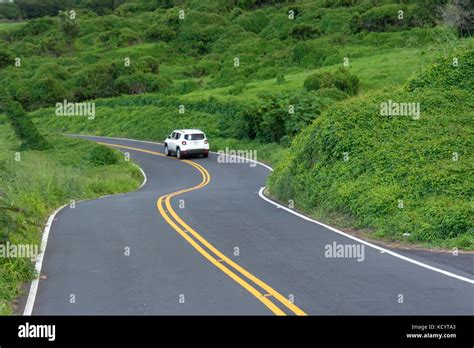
pixel 41 181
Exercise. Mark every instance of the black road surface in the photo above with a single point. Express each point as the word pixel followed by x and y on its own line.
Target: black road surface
pixel 119 255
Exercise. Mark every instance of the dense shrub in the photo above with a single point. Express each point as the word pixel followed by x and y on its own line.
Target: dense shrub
pixel 277 116
pixel 120 37
pixel 341 79
pixel 304 32
pixel 160 32
pixel 103 156
pixel 386 17
pixel 9 11
pixel 317 80
pixel 34 9
pixel 312 53
pixel 96 81
pixel 47 91
pixel 253 21
pixel 25 48
pixel 186 87
pixel 203 68
pixel 6 57
pixel 227 76
pixel 53 45
pixel 446 73
pixel 345 82
pixel 24 128
pixel 51 69
pixel 138 83
pixel 149 64
pixel 35 27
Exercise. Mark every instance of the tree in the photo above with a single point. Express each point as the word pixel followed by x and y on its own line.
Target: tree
pixel 68 25
pixel 25 129
pixel 35 8
pixel 102 7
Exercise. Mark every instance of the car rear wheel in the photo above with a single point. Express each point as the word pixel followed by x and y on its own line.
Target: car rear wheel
pixel 178 153
pixel 205 155
pixel 167 151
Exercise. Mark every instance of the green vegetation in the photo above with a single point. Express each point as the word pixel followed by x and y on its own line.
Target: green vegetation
pixel 400 175
pixel 300 81
pixel 37 182
pixel 248 76
pixel 24 128
pixel 341 79
pixel 144 47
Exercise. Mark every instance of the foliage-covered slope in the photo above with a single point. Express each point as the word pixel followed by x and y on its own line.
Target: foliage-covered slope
pixel 82 56
pixel 394 174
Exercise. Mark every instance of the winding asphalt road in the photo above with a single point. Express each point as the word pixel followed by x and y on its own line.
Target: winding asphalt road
pixel 219 248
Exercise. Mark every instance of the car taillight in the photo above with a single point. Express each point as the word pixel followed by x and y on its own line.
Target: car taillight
pixel 205 141
pixel 183 143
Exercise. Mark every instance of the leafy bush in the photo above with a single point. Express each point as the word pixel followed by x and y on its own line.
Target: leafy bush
pixel 53 45
pixel 253 21
pixel 205 67
pixel 102 156
pixel 341 79
pixel 312 53
pixel 120 37
pixel 277 116
pixel 316 81
pixel 35 27
pixel 149 64
pixel 69 27
pixel 386 17
pixel 345 82
pixel 6 57
pixel 9 11
pixel 304 32
pixel 24 128
pixel 444 73
pixel 47 91
pixel 139 82
pixel 96 81
pixel 160 32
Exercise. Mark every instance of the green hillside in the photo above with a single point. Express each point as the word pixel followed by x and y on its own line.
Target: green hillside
pixel 307 63
pixel 425 163
pixel 300 81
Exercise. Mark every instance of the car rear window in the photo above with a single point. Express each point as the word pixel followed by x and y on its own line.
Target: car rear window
pixel 195 136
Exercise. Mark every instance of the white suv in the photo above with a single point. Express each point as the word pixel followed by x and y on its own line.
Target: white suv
pixel 183 142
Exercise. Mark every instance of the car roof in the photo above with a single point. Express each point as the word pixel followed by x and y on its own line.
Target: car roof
pixel 189 131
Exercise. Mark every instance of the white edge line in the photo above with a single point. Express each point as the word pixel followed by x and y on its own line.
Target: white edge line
pixel 145 179
pixel 44 242
pixel 421 264
pixel 39 263
pixel 260 193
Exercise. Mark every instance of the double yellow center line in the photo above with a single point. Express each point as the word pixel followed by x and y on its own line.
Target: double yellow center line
pixel 267 295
